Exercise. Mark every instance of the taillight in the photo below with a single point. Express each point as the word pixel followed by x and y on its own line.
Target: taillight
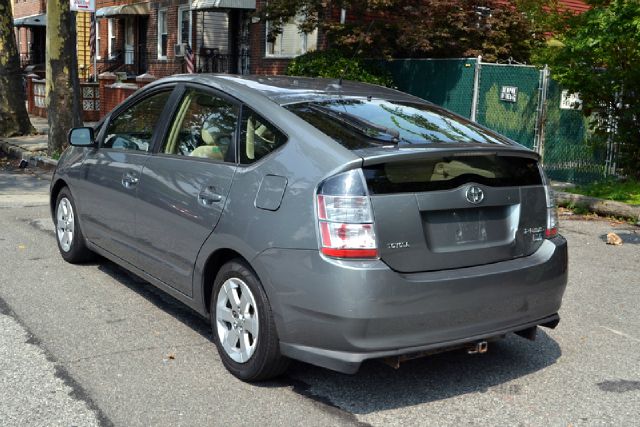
pixel 345 218
pixel 552 213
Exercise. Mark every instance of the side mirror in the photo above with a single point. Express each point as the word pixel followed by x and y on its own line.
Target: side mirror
pixel 81 137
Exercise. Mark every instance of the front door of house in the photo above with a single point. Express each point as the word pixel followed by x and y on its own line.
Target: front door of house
pixel 129 41
pixel 142 44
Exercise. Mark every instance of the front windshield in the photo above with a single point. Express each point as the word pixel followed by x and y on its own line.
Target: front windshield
pixel 364 122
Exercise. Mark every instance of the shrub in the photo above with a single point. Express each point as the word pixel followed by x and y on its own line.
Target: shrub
pixel 333 64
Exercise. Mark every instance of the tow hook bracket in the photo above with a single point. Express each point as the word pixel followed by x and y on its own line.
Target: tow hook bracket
pixel 480 347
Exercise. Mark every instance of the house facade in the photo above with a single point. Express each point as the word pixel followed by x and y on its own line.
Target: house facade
pixel 30 22
pixel 153 37
pixel 224 36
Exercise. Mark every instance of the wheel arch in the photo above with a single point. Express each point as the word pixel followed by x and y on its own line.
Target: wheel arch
pixel 206 274
pixel 55 190
pixel 212 265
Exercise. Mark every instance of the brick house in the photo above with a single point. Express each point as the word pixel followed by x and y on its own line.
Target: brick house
pixel 150 37
pixel 30 22
pixel 30 26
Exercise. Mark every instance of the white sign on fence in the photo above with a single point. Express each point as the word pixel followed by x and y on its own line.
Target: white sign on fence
pixel 509 94
pixel 570 101
pixel 83 5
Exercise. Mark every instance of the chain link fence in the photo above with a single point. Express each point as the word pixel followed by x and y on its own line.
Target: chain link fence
pixel 521 102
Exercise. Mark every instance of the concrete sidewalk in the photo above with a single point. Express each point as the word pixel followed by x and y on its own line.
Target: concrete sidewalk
pixel 32 148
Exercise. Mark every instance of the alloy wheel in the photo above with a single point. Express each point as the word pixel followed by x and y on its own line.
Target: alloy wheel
pixel 237 321
pixel 65 224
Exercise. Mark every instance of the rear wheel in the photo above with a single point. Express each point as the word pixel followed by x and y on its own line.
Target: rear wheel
pixel 243 327
pixel 69 236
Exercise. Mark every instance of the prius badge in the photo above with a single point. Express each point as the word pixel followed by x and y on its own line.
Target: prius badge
pixel 474 194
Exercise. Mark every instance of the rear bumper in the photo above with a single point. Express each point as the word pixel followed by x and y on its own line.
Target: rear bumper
pixel 337 314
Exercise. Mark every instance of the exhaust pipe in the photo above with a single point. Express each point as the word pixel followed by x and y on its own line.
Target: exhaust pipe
pixel 480 347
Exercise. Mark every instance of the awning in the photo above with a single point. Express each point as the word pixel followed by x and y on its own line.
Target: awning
pixel 125 9
pixel 31 21
pixel 223 4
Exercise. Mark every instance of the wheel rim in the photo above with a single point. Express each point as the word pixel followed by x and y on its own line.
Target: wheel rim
pixel 65 224
pixel 237 320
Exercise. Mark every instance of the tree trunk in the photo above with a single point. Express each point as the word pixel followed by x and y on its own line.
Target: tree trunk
pixel 14 119
pixel 63 87
pixel 599 206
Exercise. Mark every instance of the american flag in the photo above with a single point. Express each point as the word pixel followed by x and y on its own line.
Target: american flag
pixel 92 35
pixel 188 57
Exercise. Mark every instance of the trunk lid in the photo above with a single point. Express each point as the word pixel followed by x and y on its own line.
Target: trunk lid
pixel 444 209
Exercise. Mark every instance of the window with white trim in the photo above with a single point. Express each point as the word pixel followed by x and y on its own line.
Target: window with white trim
pixel 98 56
pixel 291 41
pixel 184 25
pixel 162 34
pixel 111 38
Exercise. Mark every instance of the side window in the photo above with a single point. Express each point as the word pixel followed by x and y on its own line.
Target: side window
pixel 204 126
pixel 258 137
pixel 132 129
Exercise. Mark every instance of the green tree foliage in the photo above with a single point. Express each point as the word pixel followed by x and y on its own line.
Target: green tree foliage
pixel 333 64
pixel 598 57
pixel 409 28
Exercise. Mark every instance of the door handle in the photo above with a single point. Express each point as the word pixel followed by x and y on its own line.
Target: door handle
pixel 130 179
pixel 208 196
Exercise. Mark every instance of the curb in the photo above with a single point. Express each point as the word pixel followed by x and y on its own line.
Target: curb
pixel 599 206
pixel 41 161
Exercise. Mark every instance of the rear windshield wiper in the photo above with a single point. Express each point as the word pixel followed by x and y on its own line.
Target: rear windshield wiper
pixel 361 125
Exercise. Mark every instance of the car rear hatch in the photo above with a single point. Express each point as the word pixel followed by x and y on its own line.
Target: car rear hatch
pixel 458 207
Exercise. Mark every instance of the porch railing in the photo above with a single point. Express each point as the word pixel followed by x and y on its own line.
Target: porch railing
pixel 220 62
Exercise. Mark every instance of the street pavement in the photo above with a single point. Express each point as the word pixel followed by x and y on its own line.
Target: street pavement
pixel 92 344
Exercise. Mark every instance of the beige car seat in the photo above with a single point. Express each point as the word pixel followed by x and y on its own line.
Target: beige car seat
pixel 210 150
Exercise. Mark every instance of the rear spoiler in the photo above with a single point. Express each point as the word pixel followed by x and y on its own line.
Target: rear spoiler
pixel 375 156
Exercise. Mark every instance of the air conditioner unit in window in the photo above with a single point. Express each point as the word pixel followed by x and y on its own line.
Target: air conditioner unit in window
pixel 180 49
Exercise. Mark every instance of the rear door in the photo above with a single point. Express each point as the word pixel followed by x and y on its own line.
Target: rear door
pixel 184 186
pixel 112 172
pixel 454 210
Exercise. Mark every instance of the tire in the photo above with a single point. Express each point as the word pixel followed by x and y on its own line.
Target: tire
pixel 69 237
pixel 248 344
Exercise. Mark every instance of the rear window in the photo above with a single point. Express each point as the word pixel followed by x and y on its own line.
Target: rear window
pixel 358 123
pixel 447 173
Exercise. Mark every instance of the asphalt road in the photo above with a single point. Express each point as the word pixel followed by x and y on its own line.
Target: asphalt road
pixel 91 344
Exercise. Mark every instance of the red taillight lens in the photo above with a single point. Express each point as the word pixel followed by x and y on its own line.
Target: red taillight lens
pixel 348 240
pixel 552 214
pixel 345 220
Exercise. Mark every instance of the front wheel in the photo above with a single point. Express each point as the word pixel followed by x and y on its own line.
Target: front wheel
pixel 243 328
pixel 69 236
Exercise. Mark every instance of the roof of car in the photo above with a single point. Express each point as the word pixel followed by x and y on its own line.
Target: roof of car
pixel 289 89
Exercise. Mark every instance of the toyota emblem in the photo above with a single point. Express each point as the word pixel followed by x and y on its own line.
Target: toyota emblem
pixel 474 194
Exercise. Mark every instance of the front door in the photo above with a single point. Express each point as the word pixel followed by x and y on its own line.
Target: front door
pixel 184 186
pixel 112 176
pixel 129 41
pixel 142 44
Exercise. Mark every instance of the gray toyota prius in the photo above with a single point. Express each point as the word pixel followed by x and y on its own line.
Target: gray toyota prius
pixel 312 219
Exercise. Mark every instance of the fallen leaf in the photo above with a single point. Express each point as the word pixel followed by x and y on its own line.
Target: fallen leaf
pixel 613 239
pixel 22 246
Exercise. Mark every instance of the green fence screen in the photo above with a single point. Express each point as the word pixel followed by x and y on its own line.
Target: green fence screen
pixel 445 82
pixel 508 102
pixel 514 117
